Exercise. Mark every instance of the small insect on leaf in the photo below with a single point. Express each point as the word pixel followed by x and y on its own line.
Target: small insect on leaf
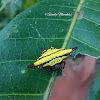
pixel 52 57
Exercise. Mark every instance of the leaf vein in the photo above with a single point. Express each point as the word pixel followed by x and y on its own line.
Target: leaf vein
pixel 92 21
pixel 82 30
pixel 45 19
pixel 90 8
pixel 34 38
pixel 85 43
pixel 72 24
pixel 64 6
pixel 94 1
pixel 16 61
pixel 21 94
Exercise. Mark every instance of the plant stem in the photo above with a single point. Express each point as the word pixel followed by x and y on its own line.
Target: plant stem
pixel 3 6
pixel 72 24
pixel 47 93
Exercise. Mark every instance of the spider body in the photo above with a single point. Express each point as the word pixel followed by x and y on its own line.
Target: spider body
pixel 52 57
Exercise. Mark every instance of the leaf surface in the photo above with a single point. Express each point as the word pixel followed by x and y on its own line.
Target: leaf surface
pixel 22 39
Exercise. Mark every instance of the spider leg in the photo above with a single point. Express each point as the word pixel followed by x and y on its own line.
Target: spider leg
pixel 63 62
pixel 47 68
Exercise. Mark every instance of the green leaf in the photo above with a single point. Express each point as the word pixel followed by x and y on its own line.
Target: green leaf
pixel 22 39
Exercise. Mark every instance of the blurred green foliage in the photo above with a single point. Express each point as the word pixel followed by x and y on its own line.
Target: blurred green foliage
pixel 13 8
pixel 28 3
pixel 98 95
